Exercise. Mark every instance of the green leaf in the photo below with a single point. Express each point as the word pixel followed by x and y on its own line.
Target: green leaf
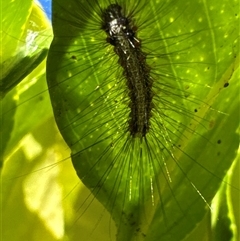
pixel 19 71
pixel 87 100
pixel 224 228
pixel 22 23
pixel 23 35
pixel 14 20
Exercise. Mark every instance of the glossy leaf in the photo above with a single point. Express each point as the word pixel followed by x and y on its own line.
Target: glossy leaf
pixel 79 83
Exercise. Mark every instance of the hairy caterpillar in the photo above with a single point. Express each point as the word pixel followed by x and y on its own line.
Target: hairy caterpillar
pixel 188 98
